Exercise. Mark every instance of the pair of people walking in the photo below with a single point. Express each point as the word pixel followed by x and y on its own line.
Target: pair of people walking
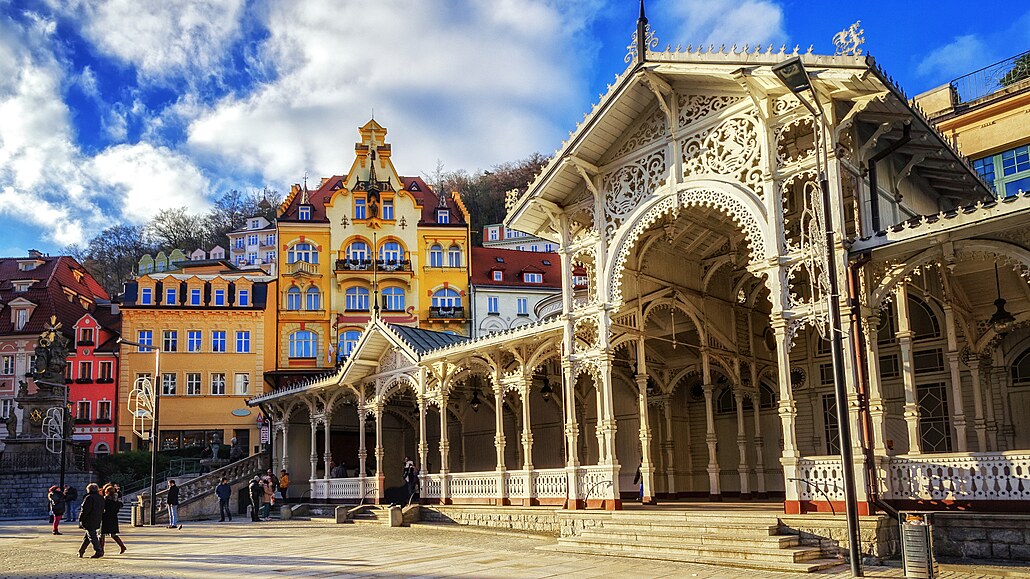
pixel 98 517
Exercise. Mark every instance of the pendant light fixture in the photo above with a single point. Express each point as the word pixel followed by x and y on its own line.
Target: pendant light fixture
pixel 1001 322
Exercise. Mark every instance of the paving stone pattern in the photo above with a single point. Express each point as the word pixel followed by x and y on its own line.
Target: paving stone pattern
pixel 316 549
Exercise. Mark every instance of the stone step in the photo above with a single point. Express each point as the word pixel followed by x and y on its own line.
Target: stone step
pixel 739 528
pixel 739 551
pixel 694 538
pixel 808 566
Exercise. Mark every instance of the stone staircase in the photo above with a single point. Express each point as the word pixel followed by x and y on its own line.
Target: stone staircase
pixel 742 540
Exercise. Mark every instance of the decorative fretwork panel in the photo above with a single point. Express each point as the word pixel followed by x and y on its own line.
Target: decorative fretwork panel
pixel 731 149
pixel 652 129
pixel 823 479
pixel 628 185
pixel 698 106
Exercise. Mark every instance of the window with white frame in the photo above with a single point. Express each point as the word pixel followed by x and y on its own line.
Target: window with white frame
pixel 523 306
pixel 435 256
pixel 243 342
pixel 6 408
pixel 454 256
pixel 492 306
pixel 193 384
pixel 103 410
pixel 360 209
pixel 146 296
pixel 243 298
pixel 305 252
pixel 252 239
pixel 293 296
pixel 357 251
pixel 348 341
pixel 21 317
pixel 303 344
pixel 194 340
pixel 443 216
pixel 390 252
pixel 218 383
pixel 446 298
pixel 195 296
pixel 106 370
pixel 529 277
pixel 269 257
pixel 498 275
pixel 168 384
pixel 393 299
pixel 492 233
pixel 171 341
pixel 171 294
pixel 304 213
pixel 388 209
pixel 252 257
pixel 218 341
pixel 242 384
pixel 356 299
pixel 219 297
pixel 83 411
pixel 145 338
pixel 313 299
pixel 86 370
pixel 7 364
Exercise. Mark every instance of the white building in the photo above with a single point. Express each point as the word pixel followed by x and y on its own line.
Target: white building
pixel 253 245
pixel 498 236
pixel 509 287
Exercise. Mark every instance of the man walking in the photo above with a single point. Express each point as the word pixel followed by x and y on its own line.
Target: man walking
pixel 90 518
pixel 256 492
pixel 173 505
pixel 71 496
pixel 284 484
pixel 224 491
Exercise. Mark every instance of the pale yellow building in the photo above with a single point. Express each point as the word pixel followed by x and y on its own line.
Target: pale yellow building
pixel 214 327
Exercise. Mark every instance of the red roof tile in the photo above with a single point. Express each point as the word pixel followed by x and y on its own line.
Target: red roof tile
pixel 513 263
pixel 51 277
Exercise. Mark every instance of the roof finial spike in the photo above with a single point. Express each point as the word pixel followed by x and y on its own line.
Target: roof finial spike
pixel 641 34
pixel 304 196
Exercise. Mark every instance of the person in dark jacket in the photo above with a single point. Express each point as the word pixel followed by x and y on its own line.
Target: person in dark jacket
pixel 109 525
pixel 256 492
pixel 173 505
pixel 57 505
pixel 71 497
pixel 223 491
pixel 91 515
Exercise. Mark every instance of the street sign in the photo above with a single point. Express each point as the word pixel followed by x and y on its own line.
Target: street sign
pixel 264 435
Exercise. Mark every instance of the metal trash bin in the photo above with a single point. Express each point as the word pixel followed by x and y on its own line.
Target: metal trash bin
pixel 917 545
pixel 137 513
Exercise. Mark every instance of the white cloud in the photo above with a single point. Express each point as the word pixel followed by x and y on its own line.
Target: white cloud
pixel 961 55
pixel 160 37
pixel 472 84
pixel 148 179
pixel 720 22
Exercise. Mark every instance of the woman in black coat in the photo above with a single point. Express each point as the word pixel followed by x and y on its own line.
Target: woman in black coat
pixel 109 525
pixel 91 515
pixel 57 504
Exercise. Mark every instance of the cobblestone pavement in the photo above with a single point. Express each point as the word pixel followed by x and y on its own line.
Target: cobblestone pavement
pixel 315 549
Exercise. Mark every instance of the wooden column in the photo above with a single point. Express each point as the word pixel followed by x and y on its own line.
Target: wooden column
pixel 958 414
pixel 743 469
pixel 669 446
pixel 646 465
pixel 908 372
pixel 714 492
pixel 445 464
pixel 362 451
pixel 314 447
pixel 788 415
pixel 327 454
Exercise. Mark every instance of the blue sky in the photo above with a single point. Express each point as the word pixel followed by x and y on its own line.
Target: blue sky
pixel 111 111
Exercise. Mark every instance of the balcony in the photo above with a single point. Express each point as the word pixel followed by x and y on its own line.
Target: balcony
pixel 301 267
pixel 366 265
pixel 447 313
pixel 84 343
pixel 1005 76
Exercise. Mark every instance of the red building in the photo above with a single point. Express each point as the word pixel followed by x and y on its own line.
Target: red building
pixel 93 374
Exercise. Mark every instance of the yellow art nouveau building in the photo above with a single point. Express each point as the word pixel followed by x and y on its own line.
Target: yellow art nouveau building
pixel 364 241
pixel 209 327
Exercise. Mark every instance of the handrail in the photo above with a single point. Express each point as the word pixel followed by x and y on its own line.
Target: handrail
pixel 591 488
pixel 822 491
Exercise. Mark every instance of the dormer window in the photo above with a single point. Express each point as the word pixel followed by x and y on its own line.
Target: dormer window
pixel 86 337
pixel 22 286
pixel 21 317
pixel 255 224
pixel 498 275
pixel 219 297
pixel 443 216
pixel 170 295
pixel 304 213
pixel 146 296
pixel 413 186
pixel 533 277
pixel 195 297
pixel 29 264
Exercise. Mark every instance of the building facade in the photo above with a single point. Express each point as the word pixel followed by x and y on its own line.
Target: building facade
pixel 254 245
pixel 498 236
pixel 211 328
pixel 987 114
pixel 368 240
pixel 513 288
pixel 93 378
pixel 33 289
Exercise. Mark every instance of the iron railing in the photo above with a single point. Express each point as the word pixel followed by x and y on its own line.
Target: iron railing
pixel 348 264
pixel 76 460
pixel 453 312
pixel 990 79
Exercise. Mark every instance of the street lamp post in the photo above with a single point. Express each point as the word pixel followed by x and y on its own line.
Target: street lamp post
pixel 153 428
pixel 793 75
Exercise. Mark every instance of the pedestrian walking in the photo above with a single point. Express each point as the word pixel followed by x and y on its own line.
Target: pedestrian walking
pixel 71 497
pixel 256 493
pixel 91 516
pixel 109 523
pixel 638 479
pixel 267 499
pixel 173 505
pixel 57 506
pixel 274 480
pixel 410 477
pixel 223 491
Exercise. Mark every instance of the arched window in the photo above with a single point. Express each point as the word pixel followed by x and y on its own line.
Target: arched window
pixel 922 320
pixel 454 256
pixel 357 251
pixel 767 396
pixel 293 298
pixel 1021 370
pixel 356 299
pixel 390 252
pixel 302 252
pixel 303 344
pixel 314 299
pixel 101 448
pixel 446 298
pixel 436 256
pixel 393 299
pixel 348 340
pixel 725 402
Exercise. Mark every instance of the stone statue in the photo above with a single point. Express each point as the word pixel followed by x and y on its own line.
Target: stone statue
pixel 12 425
pixel 216 444
pixel 51 355
pixel 236 452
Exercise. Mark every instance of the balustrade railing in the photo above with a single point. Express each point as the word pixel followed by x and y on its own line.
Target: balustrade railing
pixel 518 481
pixel 977 476
pixel 551 483
pixel 319 488
pixel 823 479
pixel 474 484
pixel 432 485
pixel 592 480
pixel 205 484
